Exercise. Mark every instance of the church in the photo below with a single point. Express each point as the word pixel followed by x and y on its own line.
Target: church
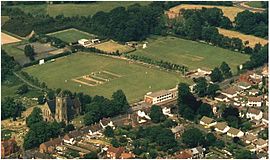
pixel 61 109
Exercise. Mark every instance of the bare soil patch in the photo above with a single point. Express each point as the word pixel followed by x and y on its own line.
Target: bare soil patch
pixel 6 39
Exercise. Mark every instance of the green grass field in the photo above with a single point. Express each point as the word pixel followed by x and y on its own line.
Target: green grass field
pixel 12 50
pixel 190 53
pixel 255 4
pixel 136 79
pixel 75 9
pixel 71 35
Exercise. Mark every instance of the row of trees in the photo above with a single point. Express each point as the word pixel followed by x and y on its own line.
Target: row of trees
pixel 202 88
pixel 42 38
pixel 257 59
pixel 166 65
pixel 101 107
pixel 11 108
pixel 220 73
pixel 8 65
pixel 33 80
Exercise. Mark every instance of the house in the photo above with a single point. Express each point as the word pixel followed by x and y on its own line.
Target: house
pixel 114 153
pixel 265 71
pixel 197 153
pixel 254 114
pixel 183 155
pixel 230 92
pixel 61 109
pixel 243 85
pixel 255 101
pixel 142 117
pixel 126 155
pixel 104 122
pixel 84 42
pixel 167 111
pixel 222 98
pixel 233 132
pixel 72 137
pixel 253 92
pixel 92 131
pixel 161 96
pixel 221 127
pixel 177 130
pixel 260 144
pixel 8 147
pixel 265 118
pixel 50 146
pixel 198 73
pixel 249 138
pixel 207 122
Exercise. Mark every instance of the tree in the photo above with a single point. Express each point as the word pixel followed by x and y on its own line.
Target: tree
pixel 22 89
pixel 91 155
pixel 115 142
pixel 205 110
pixel 216 75
pixel 219 144
pixel 153 154
pixel 8 65
pixel 51 95
pixel 210 138
pixel 29 52
pixel 90 118
pixel 212 90
pixel 244 154
pixel 193 27
pixel 41 99
pixel 11 108
pixel 246 126
pixel 156 114
pixel 108 132
pixel 120 102
pixel 226 70
pixel 192 137
pixel 263 134
pixel 201 87
pixel 188 113
pixel 236 140
pixel 34 117
pixel 68 128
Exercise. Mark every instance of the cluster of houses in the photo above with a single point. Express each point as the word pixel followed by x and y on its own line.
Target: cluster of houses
pixel 193 153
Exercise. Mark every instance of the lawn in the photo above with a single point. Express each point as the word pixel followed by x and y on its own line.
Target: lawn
pixel 255 4
pixel 112 46
pixel 71 35
pixel 136 79
pixel 190 53
pixel 70 10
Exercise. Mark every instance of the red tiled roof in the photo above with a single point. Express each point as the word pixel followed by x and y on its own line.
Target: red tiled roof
pixel 183 155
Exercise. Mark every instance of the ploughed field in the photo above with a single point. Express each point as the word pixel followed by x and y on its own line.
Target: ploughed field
pixel 95 74
pixel 190 53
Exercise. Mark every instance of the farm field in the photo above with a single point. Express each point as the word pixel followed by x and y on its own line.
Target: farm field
pixel 6 39
pixel 112 46
pixel 230 12
pixel 70 10
pixel 71 35
pixel 253 40
pixel 190 53
pixel 134 79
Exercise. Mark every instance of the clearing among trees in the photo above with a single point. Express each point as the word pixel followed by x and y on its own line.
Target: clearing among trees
pixel 136 79
pixel 6 39
pixel 112 47
pixel 190 53
pixel 71 35
pixel 253 40
pixel 230 12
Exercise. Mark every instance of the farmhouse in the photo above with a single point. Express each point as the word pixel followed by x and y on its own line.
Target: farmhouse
pixel 207 122
pixel 161 96
pixel 221 127
pixel 254 114
pixel 233 132
pixel 61 109
pixel 50 146
pixel 254 101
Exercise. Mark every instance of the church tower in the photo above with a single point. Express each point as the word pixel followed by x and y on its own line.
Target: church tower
pixel 61 108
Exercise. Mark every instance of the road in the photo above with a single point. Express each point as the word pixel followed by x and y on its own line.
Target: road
pixel 25 81
pixel 242 5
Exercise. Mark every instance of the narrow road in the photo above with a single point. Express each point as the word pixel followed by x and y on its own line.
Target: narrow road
pixel 25 81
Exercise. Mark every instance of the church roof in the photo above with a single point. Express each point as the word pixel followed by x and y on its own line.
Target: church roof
pixel 70 103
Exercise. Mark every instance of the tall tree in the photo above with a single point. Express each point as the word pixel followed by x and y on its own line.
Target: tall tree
pixel 34 117
pixel 212 90
pixel 205 110
pixel 201 86
pixel 29 52
pixel 216 75
pixel 119 100
pixel 156 114
pixel 226 70
pixel 192 137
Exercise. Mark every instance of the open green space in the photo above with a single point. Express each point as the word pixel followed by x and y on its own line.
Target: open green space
pixel 71 9
pixel 255 4
pixel 12 50
pixel 190 53
pixel 71 35
pixel 136 79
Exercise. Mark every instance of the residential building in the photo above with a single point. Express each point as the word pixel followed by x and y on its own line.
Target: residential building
pixel 184 155
pixel 8 147
pixel 207 122
pixel 177 130
pixel 104 122
pixel 222 98
pixel 233 132
pixel 92 131
pixel 126 155
pixel 161 96
pixel 255 101
pixel 50 146
pixel 167 111
pixel 260 144
pixel 230 92
pixel 243 85
pixel 249 138
pixel 265 118
pixel 197 153
pixel 115 153
pixel 72 137
pixel 254 114
pixel 253 92
pixel 221 127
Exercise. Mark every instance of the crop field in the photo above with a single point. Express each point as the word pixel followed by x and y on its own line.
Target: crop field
pixel 71 9
pixel 112 46
pixel 134 79
pixel 230 12
pixel 6 39
pixel 253 40
pixel 190 53
pixel 71 35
